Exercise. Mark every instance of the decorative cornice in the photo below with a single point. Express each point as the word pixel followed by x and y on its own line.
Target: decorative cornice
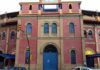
pixel 48 38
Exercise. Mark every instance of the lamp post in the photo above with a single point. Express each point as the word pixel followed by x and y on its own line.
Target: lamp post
pixel 28 59
pixel 19 29
pixel 28 52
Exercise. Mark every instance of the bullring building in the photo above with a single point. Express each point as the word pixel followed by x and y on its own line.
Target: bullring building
pixel 50 35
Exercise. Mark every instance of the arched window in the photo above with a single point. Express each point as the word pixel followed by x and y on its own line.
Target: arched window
pixel 46 28
pixel 70 6
pixel 60 6
pixel 3 35
pixel 39 6
pixel 85 34
pixel 20 7
pixel 30 7
pixel 27 55
pixel 99 34
pixel 90 35
pixel 71 28
pixel 73 57
pixel 12 35
pixel 29 28
pixel 54 28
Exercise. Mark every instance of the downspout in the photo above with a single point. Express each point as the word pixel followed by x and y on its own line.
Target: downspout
pixel 83 40
pixel 96 42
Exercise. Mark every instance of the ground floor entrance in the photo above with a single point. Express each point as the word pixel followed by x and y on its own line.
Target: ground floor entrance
pixel 50 58
pixel 6 60
pixel 90 59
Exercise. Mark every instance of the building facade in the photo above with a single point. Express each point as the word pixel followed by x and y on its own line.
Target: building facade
pixel 51 35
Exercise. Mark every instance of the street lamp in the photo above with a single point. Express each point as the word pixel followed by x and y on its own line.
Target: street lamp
pixel 28 58
pixel 28 52
pixel 19 29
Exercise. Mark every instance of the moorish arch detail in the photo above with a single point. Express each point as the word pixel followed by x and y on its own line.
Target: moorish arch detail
pixel 50 43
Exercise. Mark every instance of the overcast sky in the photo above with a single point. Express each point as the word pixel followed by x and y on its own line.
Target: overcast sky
pixel 13 5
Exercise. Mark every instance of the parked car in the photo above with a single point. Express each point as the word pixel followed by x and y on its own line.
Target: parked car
pixel 17 68
pixel 96 69
pixel 81 68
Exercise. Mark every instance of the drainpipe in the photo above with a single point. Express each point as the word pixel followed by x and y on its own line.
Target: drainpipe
pixel 7 37
pixel 7 40
pixel 29 50
pixel 96 39
pixel 83 40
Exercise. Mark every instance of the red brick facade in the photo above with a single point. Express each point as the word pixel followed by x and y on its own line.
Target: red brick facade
pixel 64 40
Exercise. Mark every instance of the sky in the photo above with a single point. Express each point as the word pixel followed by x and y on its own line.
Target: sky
pixel 13 5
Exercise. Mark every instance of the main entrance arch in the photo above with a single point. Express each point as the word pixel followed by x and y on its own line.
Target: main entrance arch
pixel 50 58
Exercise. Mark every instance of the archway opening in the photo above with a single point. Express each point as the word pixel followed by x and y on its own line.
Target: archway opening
pixel 89 59
pixel 50 48
pixel 50 58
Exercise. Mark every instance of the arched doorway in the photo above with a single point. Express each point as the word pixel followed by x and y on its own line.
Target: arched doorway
pixel 50 58
pixel 89 59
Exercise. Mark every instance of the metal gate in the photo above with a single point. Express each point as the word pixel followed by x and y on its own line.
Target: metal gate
pixel 50 61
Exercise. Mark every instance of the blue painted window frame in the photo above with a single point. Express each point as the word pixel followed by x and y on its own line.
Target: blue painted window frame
pixel 27 55
pixel 46 28
pixel 54 28
pixel 29 28
pixel 73 57
pixel 71 28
